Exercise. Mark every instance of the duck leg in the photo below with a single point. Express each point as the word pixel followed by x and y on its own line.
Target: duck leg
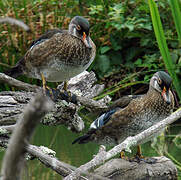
pixel 123 156
pixel 139 153
pixel 43 81
pixel 52 93
pixel 65 87
pixel 67 95
pixel 139 157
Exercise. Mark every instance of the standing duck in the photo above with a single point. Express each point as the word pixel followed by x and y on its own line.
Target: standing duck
pixel 58 55
pixel 116 125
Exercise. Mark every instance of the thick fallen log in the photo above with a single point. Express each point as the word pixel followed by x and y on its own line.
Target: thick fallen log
pixel 120 169
pixel 12 103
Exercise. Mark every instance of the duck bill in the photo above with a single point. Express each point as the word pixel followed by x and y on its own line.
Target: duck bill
pixel 86 40
pixel 166 95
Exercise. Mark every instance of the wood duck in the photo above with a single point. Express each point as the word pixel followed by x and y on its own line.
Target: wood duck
pixel 58 55
pixel 116 125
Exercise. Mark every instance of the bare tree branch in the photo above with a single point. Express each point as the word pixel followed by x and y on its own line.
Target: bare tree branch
pixel 81 85
pixel 47 158
pixel 14 157
pixel 60 167
pixel 9 128
pixel 102 156
pixel 13 21
pixel 16 83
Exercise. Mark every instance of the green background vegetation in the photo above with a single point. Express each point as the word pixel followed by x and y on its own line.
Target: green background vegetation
pixel 129 51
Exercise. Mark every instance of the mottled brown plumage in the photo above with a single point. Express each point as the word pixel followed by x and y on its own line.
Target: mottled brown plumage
pixel 59 55
pixel 141 113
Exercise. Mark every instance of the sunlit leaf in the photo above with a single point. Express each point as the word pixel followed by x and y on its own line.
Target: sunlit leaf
pixel 104 49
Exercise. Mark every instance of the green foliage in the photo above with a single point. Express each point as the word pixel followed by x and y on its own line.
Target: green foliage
pixel 177 16
pixel 127 32
pixel 127 50
pixel 163 45
pixel 122 32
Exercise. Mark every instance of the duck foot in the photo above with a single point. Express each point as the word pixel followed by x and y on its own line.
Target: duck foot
pixel 68 96
pixel 123 156
pixel 56 94
pixel 138 159
pixel 52 93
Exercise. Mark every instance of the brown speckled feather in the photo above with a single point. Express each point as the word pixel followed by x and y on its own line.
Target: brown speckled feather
pixel 63 46
pixel 136 117
pixel 59 55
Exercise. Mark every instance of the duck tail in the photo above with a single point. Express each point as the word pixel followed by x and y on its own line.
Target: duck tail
pixel 15 71
pixel 85 138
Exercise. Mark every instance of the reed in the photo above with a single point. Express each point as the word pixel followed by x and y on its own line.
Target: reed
pixel 161 40
pixel 174 4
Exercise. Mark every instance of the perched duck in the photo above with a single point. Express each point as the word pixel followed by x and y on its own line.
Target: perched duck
pixel 116 125
pixel 58 55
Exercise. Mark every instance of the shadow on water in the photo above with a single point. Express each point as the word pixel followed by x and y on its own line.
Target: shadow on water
pixel 60 140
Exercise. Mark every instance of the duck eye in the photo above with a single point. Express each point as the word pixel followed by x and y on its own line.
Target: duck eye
pixel 159 81
pixel 78 27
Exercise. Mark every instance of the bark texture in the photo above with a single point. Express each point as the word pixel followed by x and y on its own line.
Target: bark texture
pixel 13 103
pixel 119 169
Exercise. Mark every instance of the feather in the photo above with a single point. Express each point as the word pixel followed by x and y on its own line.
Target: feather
pixel 85 138
pixel 15 71
pixel 102 120
pixel 98 123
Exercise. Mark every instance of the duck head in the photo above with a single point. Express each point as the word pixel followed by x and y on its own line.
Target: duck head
pixel 79 27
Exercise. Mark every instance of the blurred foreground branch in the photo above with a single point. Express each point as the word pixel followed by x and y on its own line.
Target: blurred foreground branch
pixel 13 161
pixel 13 21
pixel 102 156
pixel 46 157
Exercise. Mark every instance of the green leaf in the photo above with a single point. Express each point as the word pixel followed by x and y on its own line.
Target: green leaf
pixel 103 63
pixel 158 29
pixel 138 62
pixel 177 16
pixel 129 26
pixel 104 49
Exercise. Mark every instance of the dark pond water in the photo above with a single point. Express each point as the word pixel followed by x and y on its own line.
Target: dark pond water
pixel 59 139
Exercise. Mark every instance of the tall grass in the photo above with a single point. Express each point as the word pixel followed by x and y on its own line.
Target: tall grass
pixel 44 15
pixel 39 16
pixel 161 40
pixel 174 4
